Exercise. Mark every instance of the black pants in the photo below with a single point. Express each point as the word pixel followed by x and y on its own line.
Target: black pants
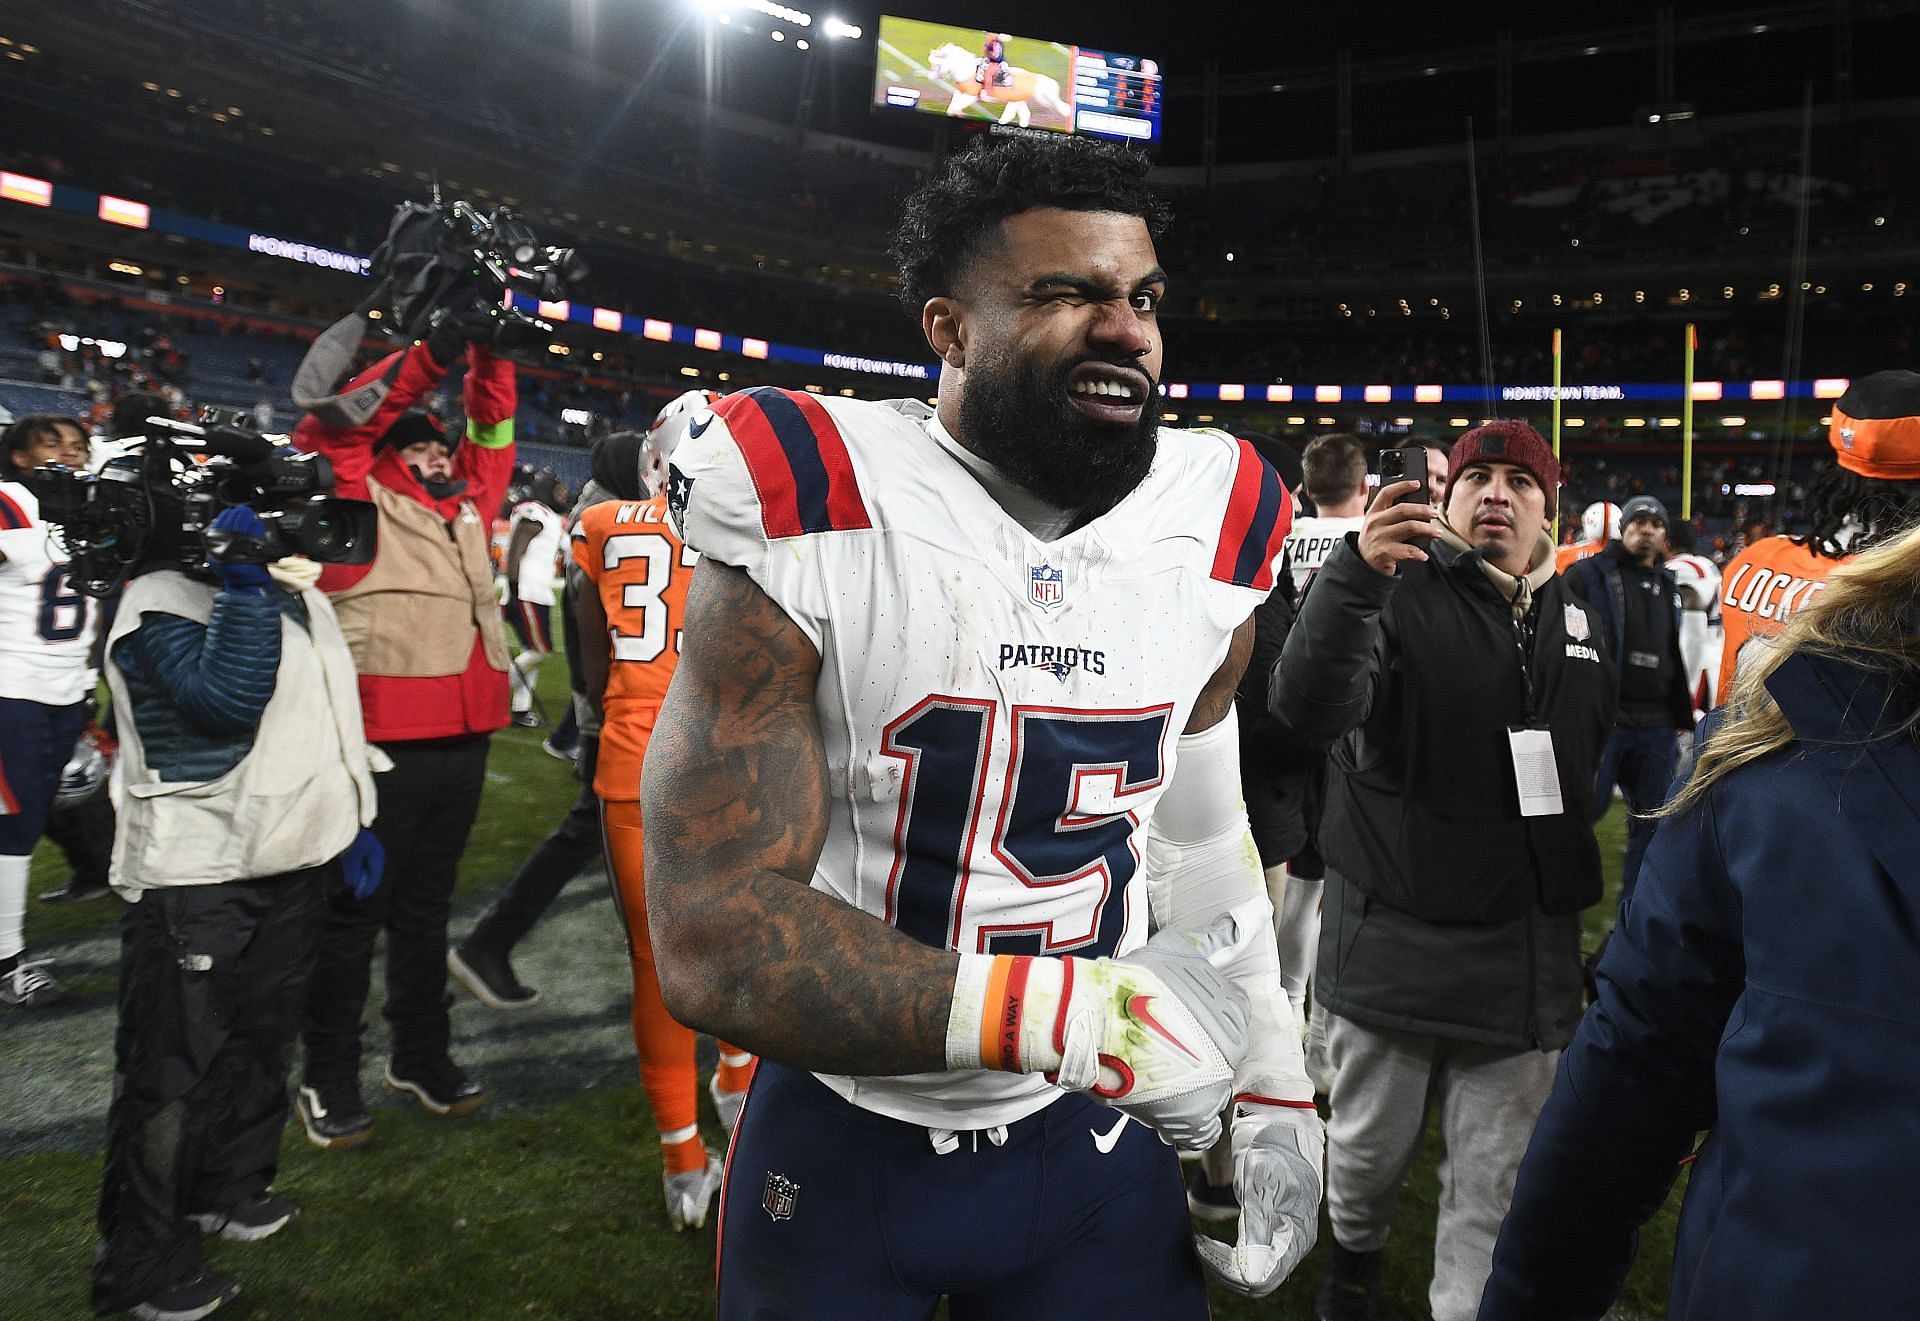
pixel 427 805
pixel 555 860
pixel 212 978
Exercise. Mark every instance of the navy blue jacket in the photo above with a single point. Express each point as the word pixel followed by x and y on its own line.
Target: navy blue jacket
pixel 1761 986
pixel 199 690
pixel 1597 581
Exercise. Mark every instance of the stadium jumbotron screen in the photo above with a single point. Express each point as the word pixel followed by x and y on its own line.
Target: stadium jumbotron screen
pixel 937 69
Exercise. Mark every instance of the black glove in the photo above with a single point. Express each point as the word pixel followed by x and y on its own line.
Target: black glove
pixel 458 325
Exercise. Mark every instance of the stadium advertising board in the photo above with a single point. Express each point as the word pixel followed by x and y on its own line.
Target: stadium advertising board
pixel 972 73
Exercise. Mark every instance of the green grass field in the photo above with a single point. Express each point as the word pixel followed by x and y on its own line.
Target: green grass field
pixel 546 1203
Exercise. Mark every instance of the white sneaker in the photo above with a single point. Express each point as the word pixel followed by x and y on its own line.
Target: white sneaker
pixel 727 1104
pixel 690 1194
pixel 26 985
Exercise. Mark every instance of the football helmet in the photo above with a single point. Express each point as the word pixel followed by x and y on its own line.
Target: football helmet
pixel 669 426
pixel 1600 521
pixel 84 777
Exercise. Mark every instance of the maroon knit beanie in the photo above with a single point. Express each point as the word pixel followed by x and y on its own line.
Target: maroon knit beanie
pixel 1508 442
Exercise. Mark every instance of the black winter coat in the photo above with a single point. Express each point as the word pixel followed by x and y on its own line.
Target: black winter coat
pixel 1454 915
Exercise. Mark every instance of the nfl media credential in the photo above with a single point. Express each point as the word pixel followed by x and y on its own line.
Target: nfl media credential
pixel 1579 630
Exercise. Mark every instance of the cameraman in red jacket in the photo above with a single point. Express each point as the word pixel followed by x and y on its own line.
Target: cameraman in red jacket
pixel 425 632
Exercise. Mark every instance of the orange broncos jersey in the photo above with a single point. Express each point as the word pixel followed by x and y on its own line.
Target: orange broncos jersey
pixel 641 569
pixel 1762 587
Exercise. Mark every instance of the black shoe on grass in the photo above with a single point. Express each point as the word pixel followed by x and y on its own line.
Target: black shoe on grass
pixel 334 1116
pixel 438 1085
pixel 260 1216
pixel 1351 1286
pixel 188 1300
pixel 76 892
pixel 490 978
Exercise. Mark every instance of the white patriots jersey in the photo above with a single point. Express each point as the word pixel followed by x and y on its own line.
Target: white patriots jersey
pixel 539 562
pixel 46 627
pixel 1000 714
pixel 1309 543
pixel 1702 635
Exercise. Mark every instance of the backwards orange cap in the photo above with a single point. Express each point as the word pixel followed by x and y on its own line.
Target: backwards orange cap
pixel 1876 426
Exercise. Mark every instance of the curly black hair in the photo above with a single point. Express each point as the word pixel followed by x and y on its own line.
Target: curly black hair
pixel 23 431
pixel 947 222
pixel 1837 495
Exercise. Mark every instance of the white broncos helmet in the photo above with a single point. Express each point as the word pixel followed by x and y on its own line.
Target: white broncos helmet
pixel 666 431
pixel 1600 521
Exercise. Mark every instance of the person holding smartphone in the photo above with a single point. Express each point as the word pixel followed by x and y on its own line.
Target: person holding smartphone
pixel 1466 698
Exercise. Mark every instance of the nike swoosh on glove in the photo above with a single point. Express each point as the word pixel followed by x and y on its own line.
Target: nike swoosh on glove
pixel 1156 1034
pixel 1277 1158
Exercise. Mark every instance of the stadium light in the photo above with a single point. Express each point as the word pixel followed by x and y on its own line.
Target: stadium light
pixel 720 9
pixel 835 27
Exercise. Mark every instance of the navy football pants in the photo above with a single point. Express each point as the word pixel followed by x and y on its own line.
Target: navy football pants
pixel 831 1211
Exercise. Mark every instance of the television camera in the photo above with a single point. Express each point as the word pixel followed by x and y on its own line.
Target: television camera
pixel 154 504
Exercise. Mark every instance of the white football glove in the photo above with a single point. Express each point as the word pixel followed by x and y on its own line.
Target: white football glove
pixel 1156 1034
pixel 1277 1159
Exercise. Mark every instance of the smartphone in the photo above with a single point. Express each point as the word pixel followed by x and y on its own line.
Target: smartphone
pixel 1406 465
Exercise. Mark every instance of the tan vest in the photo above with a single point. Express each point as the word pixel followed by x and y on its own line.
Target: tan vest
pixel 298 797
pixel 413 616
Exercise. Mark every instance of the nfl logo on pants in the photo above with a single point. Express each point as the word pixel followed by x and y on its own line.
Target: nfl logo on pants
pixel 779 1197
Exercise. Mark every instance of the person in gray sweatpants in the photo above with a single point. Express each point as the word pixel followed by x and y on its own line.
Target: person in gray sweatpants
pixel 1467 697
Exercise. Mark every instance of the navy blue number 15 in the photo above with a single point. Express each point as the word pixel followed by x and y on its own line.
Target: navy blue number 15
pixel 1060 819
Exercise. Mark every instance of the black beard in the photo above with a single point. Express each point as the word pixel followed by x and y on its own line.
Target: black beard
pixel 1018 418
pixel 440 487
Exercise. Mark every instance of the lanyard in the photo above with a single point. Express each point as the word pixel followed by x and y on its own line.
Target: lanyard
pixel 1523 642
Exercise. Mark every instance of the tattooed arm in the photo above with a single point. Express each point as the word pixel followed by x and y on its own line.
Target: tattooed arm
pixel 735 801
pixel 1216 699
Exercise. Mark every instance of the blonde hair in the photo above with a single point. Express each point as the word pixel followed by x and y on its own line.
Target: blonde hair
pixel 1865 616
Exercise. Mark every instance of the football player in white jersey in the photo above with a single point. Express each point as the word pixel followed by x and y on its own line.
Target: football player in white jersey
pixel 1334 468
pixel 951 728
pixel 532 563
pixel 1702 634
pixel 46 637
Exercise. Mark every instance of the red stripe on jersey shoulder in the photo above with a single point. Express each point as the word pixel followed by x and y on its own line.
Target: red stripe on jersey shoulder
pixel 12 516
pixel 767 464
pixel 798 461
pixel 1259 515
pixel 846 509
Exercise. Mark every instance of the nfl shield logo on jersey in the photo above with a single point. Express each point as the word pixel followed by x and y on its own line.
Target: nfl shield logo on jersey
pixel 780 1195
pixel 1577 624
pixel 1046 585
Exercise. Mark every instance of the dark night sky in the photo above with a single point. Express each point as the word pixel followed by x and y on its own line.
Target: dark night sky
pixel 662 40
